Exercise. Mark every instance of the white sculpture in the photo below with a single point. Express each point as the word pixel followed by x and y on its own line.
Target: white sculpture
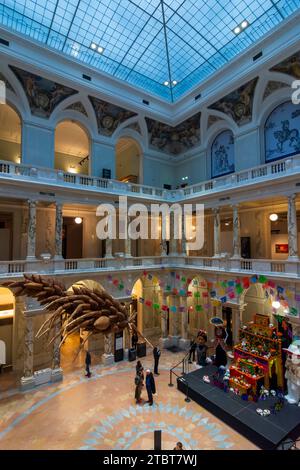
pixel 293 373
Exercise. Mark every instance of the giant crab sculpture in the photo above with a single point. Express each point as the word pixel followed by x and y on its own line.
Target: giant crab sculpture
pixel 92 310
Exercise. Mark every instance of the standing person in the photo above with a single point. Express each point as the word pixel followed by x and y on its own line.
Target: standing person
pixel 134 340
pixel 139 368
pixel 139 383
pixel 178 446
pixel 150 386
pixel 193 346
pixel 156 355
pixel 88 362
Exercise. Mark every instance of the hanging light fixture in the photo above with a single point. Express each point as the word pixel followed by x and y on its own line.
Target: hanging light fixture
pixel 273 217
pixel 78 220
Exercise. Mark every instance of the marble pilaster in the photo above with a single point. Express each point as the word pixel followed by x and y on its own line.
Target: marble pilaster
pixel 58 230
pixel 236 233
pixel 56 373
pixel 31 230
pixel 184 342
pixel 292 228
pixel 108 357
pixel 217 232
pixel 27 381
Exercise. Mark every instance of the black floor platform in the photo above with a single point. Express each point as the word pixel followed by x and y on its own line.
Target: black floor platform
pixel 266 432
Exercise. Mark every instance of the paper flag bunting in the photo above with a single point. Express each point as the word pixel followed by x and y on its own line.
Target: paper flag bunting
pixel 128 292
pixel 271 284
pixel 109 277
pixel 213 293
pixel 294 311
pixel 204 294
pixel 231 295
pixel 156 306
pixel 115 282
pixel 239 289
pixel 206 305
pixel 230 283
pixel 262 279
pixel 164 308
pixel 253 279
pixel 121 286
pixel 182 292
pixel 148 303
pixel 297 297
pixel 280 289
pixel 223 299
pixel 197 295
pixel 189 293
pixel 150 276
pixel 199 308
pixel 175 291
pixel 181 309
pixel 183 279
pixel 168 287
pixel 173 308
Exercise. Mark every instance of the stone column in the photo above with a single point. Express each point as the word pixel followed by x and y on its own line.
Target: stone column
pixel 108 357
pixel 173 322
pixel 236 233
pixel 184 342
pixel 108 248
pixel 217 232
pixel 58 230
pixel 126 334
pixel 31 231
pixel 127 249
pixel 292 228
pixel 173 242
pixel 163 241
pixel 56 373
pixel 27 381
pixel 183 239
pixel 164 340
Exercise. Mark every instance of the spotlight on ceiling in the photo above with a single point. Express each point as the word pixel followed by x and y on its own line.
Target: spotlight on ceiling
pixel 166 83
pixel 273 217
pixel 96 47
pixel 174 82
pixel 100 49
pixel 78 220
pixel 240 27
pixel 93 46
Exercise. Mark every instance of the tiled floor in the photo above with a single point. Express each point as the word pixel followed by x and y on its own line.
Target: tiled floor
pixel 100 413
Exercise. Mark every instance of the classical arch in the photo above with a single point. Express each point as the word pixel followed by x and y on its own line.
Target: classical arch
pixel 148 317
pixel 254 300
pixel 10 134
pixel 128 159
pixel 72 147
pixel 222 154
pixel 196 302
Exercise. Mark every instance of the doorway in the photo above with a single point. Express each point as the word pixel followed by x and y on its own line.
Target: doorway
pixel 6 236
pixel 72 238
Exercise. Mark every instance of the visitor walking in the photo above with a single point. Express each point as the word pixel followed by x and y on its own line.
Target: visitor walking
pixel 150 386
pixel 156 355
pixel 88 362
pixel 178 446
pixel 139 368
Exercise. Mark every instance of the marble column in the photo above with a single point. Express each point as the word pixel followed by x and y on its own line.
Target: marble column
pixel 183 239
pixel 292 228
pixel 56 373
pixel 174 336
pixel 31 230
pixel 184 342
pixel 27 381
pixel 126 334
pixel 127 249
pixel 173 241
pixel 164 340
pixel 58 230
pixel 217 232
pixel 163 241
pixel 236 233
pixel 108 357
pixel 108 248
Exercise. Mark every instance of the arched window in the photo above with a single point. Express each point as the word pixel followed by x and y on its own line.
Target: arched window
pixel 222 154
pixel 128 155
pixel 282 132
pixel 72 147
pixel 10 134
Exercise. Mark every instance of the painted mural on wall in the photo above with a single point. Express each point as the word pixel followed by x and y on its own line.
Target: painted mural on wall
pixel 222 154
pixel 78 106
pixel 135 126
pixel 109 116
pixel 282 131
pixel 290 66
pixel 7 84
pixel 177 139
pixel 43 95
pixel 273 86
pixel 238 104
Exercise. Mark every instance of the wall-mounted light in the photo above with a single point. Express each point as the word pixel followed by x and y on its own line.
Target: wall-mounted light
pixel 276 304
pixel 72 169
pixel 78 220
pixel 6 314
pixel 273 217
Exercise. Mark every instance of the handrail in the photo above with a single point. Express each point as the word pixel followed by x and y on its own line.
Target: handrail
pixel 182 361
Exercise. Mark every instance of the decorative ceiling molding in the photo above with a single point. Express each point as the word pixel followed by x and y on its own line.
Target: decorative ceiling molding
pixel 78 106
pixel 43 95
pixel 7 84
pixel 109 116
pixel 174 140
pixel 273 86
pixel 289 66
pixel 238 104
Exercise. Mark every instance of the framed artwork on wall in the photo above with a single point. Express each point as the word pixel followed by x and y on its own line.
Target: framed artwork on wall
pixel 281 248
pixel 282 132
pixel 222 154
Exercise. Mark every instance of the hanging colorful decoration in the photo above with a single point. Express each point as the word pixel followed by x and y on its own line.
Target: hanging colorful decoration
pixel 173 308
pixel 199 308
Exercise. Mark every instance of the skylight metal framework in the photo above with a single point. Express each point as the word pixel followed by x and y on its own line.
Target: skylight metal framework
pixel 147 43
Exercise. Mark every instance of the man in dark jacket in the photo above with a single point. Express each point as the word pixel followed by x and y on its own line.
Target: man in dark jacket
pixel 193 346
pixel 88 361
pixel 150 386
pixel 156 355
pixel 134 340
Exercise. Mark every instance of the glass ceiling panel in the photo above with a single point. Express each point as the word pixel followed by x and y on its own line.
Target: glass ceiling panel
pixel 146 43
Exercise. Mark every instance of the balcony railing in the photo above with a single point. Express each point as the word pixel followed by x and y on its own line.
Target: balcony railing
pixel 267 171
pixel 288 269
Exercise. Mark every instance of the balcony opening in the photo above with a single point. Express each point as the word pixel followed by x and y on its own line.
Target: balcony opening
pixel 72 238
pixel 7 310
pixel 128 160
pixel 10 134
pixel 72 148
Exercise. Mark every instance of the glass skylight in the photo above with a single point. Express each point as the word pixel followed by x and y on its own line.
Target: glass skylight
pixel 147 43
